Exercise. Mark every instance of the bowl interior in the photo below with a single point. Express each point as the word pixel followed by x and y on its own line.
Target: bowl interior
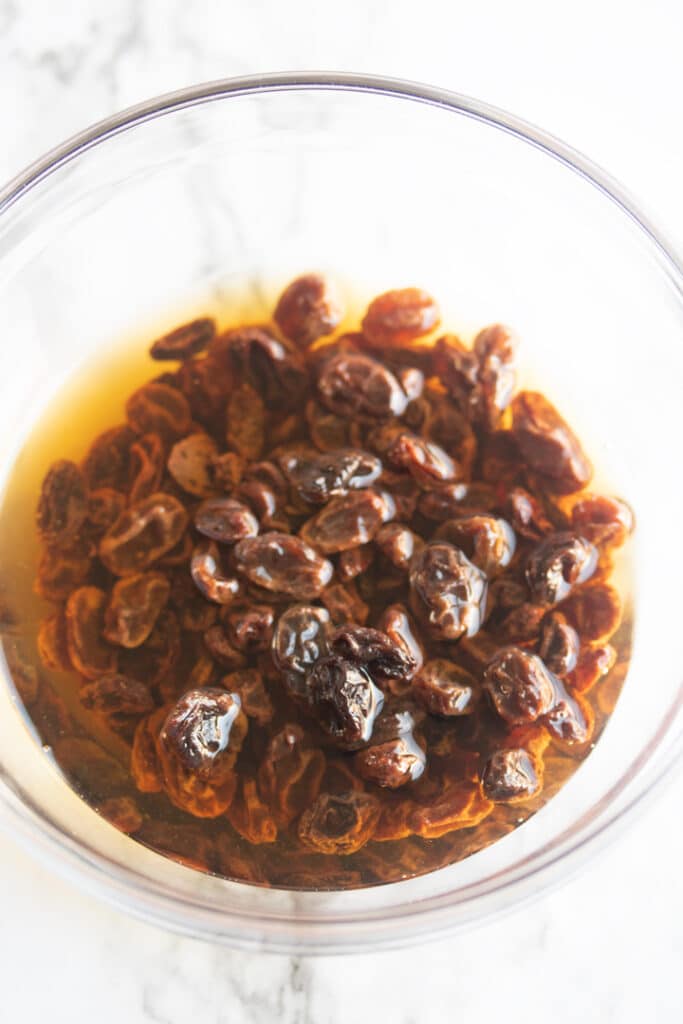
pixel 215 205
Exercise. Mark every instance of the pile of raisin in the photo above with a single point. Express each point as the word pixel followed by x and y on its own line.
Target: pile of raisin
pixel 339 594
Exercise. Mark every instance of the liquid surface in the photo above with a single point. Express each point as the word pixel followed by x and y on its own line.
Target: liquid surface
pixel 442 815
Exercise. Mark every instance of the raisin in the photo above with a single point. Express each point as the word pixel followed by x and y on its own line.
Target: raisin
pixel 226 470
pixel 391 764
pixel 142 534
pixel 88 653
pixel 256 702
pixel 184 341
pixel 594 611
pixel 153 660
pixel 344 603
pixel 354 561
pixel 548 445
pixel 284 564
pixel 398 543
pixel 447 591
pixel 221 648
pixel 559 644
pixel 158 409
pixel 345 700
pixel 117 694
pixel 455 500
pixel 290 774
pixel 246 422
pixel 519 685
pixel 358 386
pixel 198 745
pixel 399 317
pixel 397 625
pixel 225 520
pixel 208 574
pixel 123 813
pixel 250 817
pixel 559 563
pixel 261 502
pixel 460 806
pixel 105 505
pixel 273 369
pixel 318 477
pixel 144 762
pixel 489 542
pixel 348 521
pixel 146 466
pixel 205 384
pixel 522 624
pixel 339 823
pixel 446 689
pixel 191 464
pixel 134 606
pixel 425 461
pixel 374 651
pixel 308 309
pixel 52 642
pixel 603 521
pixel 511 776
pixel 250 628
pixel 194 613
pixel 527 515
pixel 106 464
pixel 329 432
pixel 570 719
pixel 593 663
pixel 300 639
pixel 63 504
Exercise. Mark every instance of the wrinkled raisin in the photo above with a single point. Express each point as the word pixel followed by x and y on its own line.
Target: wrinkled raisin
pixel 601 520
pixel 391 764
pixel 594 611
pixel 348 521
pixel 184 341
pixel 207 572
pixel 489 542
pixel 116 694
pixel 519 685
pixel 88 652
pixel 134 607
pixel 225 520
pixel 308 309
pixel 158 409
pixel 548 445
pixel 191 464
pixel 142 534
pixel 300 639
pixel 318 477
pixel 446 689
pixel 447 591
pixel 559 563
pixel 341 823
pixel 559 644
pixel 399 317
pixel 511 776
pixel 374 651
pixel 345 700
pixel 63 504
pixel 360 387
pixel 284 564
pixel 425 461
pixel 354 561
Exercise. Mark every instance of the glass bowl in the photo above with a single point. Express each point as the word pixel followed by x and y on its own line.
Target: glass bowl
pixel 184 202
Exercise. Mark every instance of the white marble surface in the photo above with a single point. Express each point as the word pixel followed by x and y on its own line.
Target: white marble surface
pixel 608 78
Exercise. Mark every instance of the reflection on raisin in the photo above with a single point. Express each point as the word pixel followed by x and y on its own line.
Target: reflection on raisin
pixel 447 591
pixel 446 689
pixel 400 317
pixel 519 685
pixel 308 309
pixel 283 564
pixel 559 563
pixel 345 700
pixel 511 776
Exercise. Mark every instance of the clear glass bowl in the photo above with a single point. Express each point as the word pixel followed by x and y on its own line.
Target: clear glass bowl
pixel 188 198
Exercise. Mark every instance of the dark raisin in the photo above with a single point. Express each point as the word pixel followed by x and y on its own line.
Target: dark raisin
pixel 300 639
pixel 359 386
pixel 559 644
pixel 447 591
pixel 340 823
pixel 559 563
pixel 225 520
pixel 374 651
pixel 425 461
pixel 191 464
pixel 184 341
pixel 489 542
pixel 604 521
pixel 519 685
pixel 284 564
pixel 345 701
pixel 391 764
pixel 446 689
pixel 399 317
pixel 348 521
pixel 548 445
pixel 207 571
pixel 318 477
pixel 308 309
pixel 511 776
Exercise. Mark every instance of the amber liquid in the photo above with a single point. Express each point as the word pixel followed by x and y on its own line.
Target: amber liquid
pixel 95 760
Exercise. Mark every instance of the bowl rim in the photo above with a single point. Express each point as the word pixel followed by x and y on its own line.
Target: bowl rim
pixel 432 916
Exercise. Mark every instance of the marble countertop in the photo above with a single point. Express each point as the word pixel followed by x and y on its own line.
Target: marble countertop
pixel 606 77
